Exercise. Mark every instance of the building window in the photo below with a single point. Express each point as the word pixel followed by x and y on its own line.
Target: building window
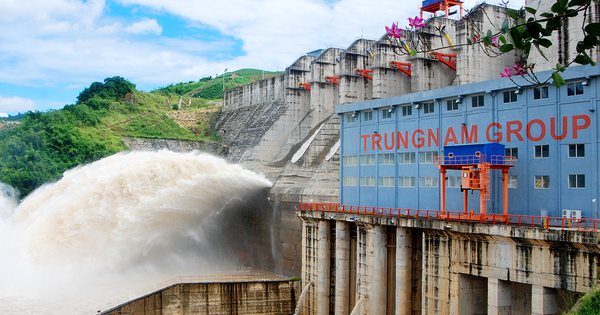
pixel 542 151
pixel 350 160
pixel 453 181
pixel 387 114
pixel 368 116
pixel 510 96
pixel 349 181
pixel 512 152
pixel 577 150
pixel 386 159
pixel 575 88
pixel 406 158
pixel 406 181
pixel 540 92
pixel 350 118
pixel 577 181
pixel 427 157
pixel 541 181
pixel 452 104
pixel 428 108
pixel 428 181
pixel 367 181
pixel 386 181
pixel 368 159
pixel 477 101
pixel 407 110
pixel 513 181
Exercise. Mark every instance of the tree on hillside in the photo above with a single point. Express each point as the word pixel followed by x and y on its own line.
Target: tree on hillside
pixel 114 88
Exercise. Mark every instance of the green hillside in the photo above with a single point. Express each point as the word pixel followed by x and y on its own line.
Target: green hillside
pixel 39 147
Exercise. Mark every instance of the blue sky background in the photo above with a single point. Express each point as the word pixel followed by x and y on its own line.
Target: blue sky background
pixel 50 50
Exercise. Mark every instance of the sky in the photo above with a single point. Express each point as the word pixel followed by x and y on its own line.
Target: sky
pixel 50 50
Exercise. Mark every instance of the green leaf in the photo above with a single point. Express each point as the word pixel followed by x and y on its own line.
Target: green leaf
pixel 534 30
pixel 517 40
pixel 514 14
pixel 487 40
pixel 537 46
pixel 560 67
pixel 590 41
pixel 547 15
pixel 581 60
pixel 506 48
pixel 593 28
pixel 544 42
pixel 505 27
pixel 469 41
pixel 558 79
pixel 502 39
pixel 413 52
pixel 560 6
pixel 531 10
pixel 577 2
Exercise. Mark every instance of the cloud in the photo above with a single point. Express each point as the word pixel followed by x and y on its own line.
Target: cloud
pixel 145 26
pixel 75 86
pixel 16 104
pixel 3 115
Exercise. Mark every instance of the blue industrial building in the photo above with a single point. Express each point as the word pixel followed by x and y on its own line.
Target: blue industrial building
pixel 389 145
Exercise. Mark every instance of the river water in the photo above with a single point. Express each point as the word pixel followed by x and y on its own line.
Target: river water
pixel 115 226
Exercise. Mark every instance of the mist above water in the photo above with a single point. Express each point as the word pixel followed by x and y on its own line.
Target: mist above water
pixel 129 215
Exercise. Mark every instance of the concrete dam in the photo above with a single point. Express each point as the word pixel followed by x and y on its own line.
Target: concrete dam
pixel 296 130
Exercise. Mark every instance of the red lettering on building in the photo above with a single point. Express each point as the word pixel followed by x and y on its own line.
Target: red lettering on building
pixel 376 142
pixel 450 137
pixel 542 130
pixel 403 140
pixel 510 131
pixel 497 134
pixel 435 137
pixel 420 140
pixel 464 134
pixel 365 137
pixel 565 123
pixel 385 141
pixel 577 127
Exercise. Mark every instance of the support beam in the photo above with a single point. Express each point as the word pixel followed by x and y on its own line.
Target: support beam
pixel 323 280
pixel 499 297
pixel 543 300
pixel 403 271
pixel 342 268
pixel 376 270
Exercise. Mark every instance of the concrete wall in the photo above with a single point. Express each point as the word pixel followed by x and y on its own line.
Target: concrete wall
pixel 440 267
pixel 272 297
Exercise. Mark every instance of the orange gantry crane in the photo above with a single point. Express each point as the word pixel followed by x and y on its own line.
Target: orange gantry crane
pixel 475 166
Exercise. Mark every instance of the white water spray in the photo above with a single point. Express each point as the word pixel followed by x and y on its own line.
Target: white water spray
pixel 136 213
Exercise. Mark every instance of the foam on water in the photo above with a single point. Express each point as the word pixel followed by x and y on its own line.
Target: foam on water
pixel 121 218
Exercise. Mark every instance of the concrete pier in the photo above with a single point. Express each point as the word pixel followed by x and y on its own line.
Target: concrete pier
pixel 342 268
pixel 439 267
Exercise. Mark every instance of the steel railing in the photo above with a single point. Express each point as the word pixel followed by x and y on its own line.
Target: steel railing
pixel 590 225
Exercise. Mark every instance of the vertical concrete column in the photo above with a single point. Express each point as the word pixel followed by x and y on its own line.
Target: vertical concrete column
pixel 403 271
pixel 342 268
pixel 376 270
pixel 323 267
pixel 499 297
pixel 543 300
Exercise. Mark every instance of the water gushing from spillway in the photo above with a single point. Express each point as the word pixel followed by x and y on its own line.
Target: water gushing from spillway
pixel 127 216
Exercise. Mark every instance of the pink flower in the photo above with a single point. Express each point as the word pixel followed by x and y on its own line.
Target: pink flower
pixel 394 31
pixel 476 38
pixel 495 42
pixel 506 73
pixel 416 22
pixel 518 70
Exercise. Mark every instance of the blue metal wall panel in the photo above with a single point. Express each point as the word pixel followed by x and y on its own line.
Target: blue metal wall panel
pixel 522 124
